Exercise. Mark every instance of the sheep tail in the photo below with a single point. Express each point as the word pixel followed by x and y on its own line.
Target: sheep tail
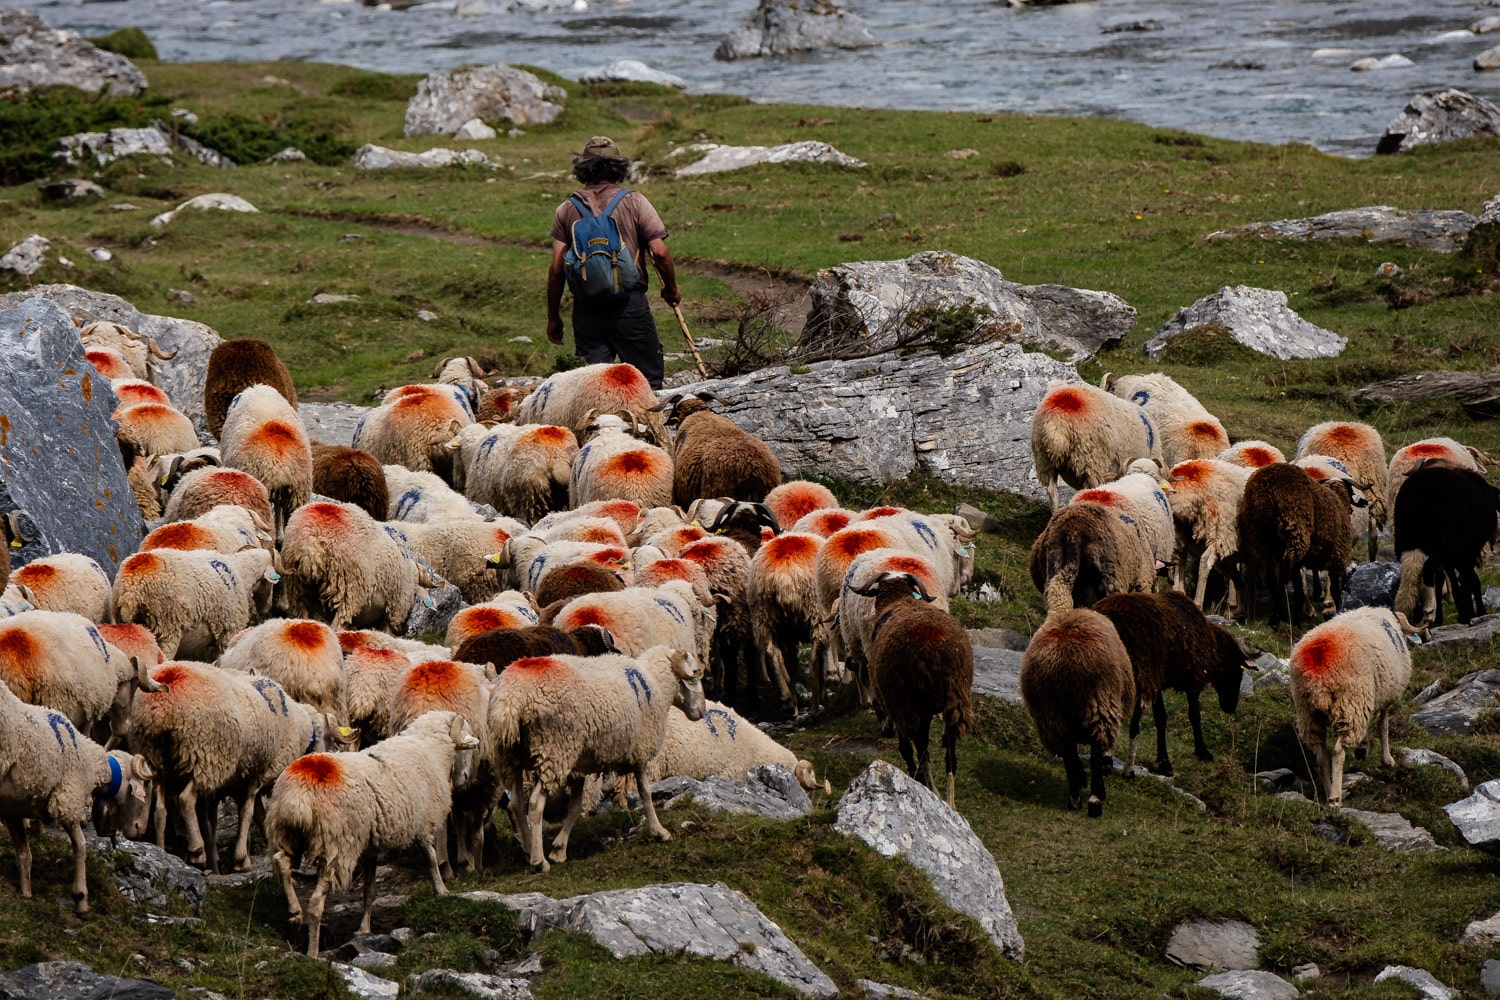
pixel 1059 593
pixel 960 717
pixel 504 720
pixel 1413 561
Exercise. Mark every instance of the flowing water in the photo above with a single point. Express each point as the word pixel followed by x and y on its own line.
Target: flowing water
pixel 1268 70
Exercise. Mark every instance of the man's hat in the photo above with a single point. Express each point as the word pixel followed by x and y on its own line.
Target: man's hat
pixel 600 147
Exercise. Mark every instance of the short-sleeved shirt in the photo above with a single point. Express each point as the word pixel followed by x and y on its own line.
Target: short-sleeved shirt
pixel 635 216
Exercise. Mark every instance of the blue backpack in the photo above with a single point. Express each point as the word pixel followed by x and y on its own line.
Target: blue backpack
pixel 597 264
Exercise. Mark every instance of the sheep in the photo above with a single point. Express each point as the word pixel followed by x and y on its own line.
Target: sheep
pixel 1433 451
pixel 236 365
pixel 167 470
pixel 342 566
pixel 1362 452
pixel 1320 467
pixel 143 488
pixel 565 717
pixel 714 457
pixel 423 498
pixel 67 581
pixel 457 552
pixel 303 656
pixel 62 661
pixel 411 426
pixel 350 475
pixel 657 572
pixel 624 513
pixel 123 804
pixel 946 540
pixel 130 391
pixel 566 398
pixel 105 335
pixel 342 809
pixel 571 580
pixel 638 618
pixel 417 651
pixel 372 673
pixel 616 466
pixel 1289 521
pixel 823 523
pixel 526 560
pixel 839 552
pixel 672 541
pixel 154 428
pixel 598 530
pixel 1188 431
pixel 225 528
pixel 503 646
pixel 746 523
pixel 855 618
pixel 264 436
pixel 135 641
pixel 1252 454
pixel 785 612
pixel 1444 519
pixel 723 744
pixel 1205 502
pixel 498 405
pixel 522 472
pixel 1344 672
pixel 794 500
pixel 207 733
pixel 51 771
pixel 1086 436
pixel 111 364
pixel 1087 552
pixel 508 609
pixel 193 601
pixel 1078 686
pixel 921 665
pixel 1172 645
pixel 1141 496
pixel 653 522
pixel 727 567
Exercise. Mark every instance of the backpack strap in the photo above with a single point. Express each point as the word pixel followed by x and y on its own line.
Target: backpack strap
pixel 615 201
pixel 583 207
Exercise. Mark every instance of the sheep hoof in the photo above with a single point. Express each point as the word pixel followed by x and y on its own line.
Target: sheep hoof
pixel 1096 807
pixel 1074 802
pixel 80 903
pixel 295 919
pixel 1164 768
pixel 1205 755
pixel 558 856
pixel 242 866
pixel 662 834
pixel 541 867
pixel 1388 760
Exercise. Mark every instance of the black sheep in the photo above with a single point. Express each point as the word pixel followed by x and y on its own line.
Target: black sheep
pixel 504 646
pixel 742 522
pixel 1444 519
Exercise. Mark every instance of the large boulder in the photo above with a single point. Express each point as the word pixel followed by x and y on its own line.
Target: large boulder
pixel 58 457
pixel 997 673
pixel 445 101
pixel 1395 832
pixel 965 419
pixel 1440 117
pixel 76 981
pixel 873 305
pixel 899 817
pixel 1454 712
pixel 770 790
pixel 1371 585
pixel 33 54
pixel 782 27
pixel 373 157
pixel 181 378
pixel 1259 318
pixel 1478 817
pixel 719 159
pixel 1442 230
pixel 146 875
pixel 332 423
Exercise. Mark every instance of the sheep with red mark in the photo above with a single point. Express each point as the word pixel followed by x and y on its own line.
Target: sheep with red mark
pixel 233 367
pixel 208 733
pixel 654 521
pixel 194 601
pixel 165 472
pixel 351 475
pixel 1429 451
pixel 1188 431
pixel 525 561
pixel 344 809
pixel 1086 436
pixel 264 436
pixel 522 472
pixel 301 655
pixel 131 391
pixel 412 425
pixel 1345 672
pixel 1173 646
pixel 614 465
pixel 1359 448
pixel 1087 552
pixel 458 552
pixel 153 429
pixel 715 457
pixel 136 351
pixel 225 528
pixel 597 530
pixel 641 617
pixel 727 566
pixel 67 581
pixel 1324 467
pixel 723 744
pixel 1252 454
pixel 1078 686
pixel 423 498
pixel 785 612
pixel 1205 502
pixel 507 609
pixel 946 540
pixel 671 541
pixel 1288 522
pixel 341 566
pixel 1445 520
pixel 824 523
pixel 109 363
pixel 503 646
pixel 418 651
pixel 1140 496
pixel 135 641
pixel 563 718
pixel 563 583
pixel 371 674
pixel 839 552
pixel 792 501
pixel 856 618
pixel 656 572
pixel 566 399
pixel 624 513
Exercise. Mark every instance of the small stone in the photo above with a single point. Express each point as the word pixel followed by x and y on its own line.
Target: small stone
pixel 515 133
pixel 1478 816
pixel 364 985
pixel 1231 944
pixel 1392 61
pixel 1250 985
pixel 1428 693
pixel 770 790
pixel 374 961
pixel 72 190
pixel 403 935
pixel 1489 977
pixel 206 202
pixel 124 206
pixel 426 315
pixel 630 71
pixel 181 295
pixel 1453 712
pixel 1307 972
pixel 720 159
pixel 521 339
pixel 1488 59
pixel 1419 757
pixel 474 984
pixel 373 157
pixel 63 261
pixel 1393 832
pixel 446 101
pixel 289 155
pixel 74 979
pixel 1485 25
pixel 100 254
pixel 1388 270
pixel 474 130
pixel 1425 982
pixel 882 991
pixel 1485 933
pixel 961 154
pixel 1280 778
pixel 331 298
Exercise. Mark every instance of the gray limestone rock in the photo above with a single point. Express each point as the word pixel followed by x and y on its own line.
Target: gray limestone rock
pixel 474 984
pixel 373 157
pixel 498 93
pixel 1478 817
pixel 1442 230
pixel 1489 977
pixel 865 307
pixel 99 148
pixel 1488 59
pixel 1418 756
pixel 1259 318
pixel 630 71
pixel 331 423
pixel 1454 711
pixel 885 991
pixel 782 27
pixel 1491 211
pixel 374 961
pixel 1425 982
pixel 144 873
pixel 998 638
pixel 1485 933
pixel 965 419
pixel 1394 833
pixel 218 201
pixel 899 817
pixel 446 601
pixel 1439 117
pixel 365 986
pixel 997 673
pixel 771 791
pixel 57 449
pixel 720 159
pixel 26 257
pixel 1478 632
pixel 33 54
pixel 1371 585
pixel 1231 944
pixel 1249 985
pixel 71 190
pixel 76 981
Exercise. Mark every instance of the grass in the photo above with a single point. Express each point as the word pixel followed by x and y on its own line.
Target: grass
pixel 1090 203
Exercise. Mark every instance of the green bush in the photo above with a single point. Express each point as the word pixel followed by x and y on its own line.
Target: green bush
pixel 249 140
pixel 32 123
pixel 131 43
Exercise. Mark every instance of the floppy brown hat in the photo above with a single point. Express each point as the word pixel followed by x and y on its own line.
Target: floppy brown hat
pixel 600 147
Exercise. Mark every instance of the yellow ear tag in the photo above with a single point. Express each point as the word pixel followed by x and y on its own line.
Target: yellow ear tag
pixel 344 731
pixel 15 543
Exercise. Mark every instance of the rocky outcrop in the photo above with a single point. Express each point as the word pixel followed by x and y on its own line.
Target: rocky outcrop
pixel 33 54
pixel 1442 230
pixel 630 71
pixel 1230 944
pixel 1258 318
pixel 1478 817
pixel 1454 711
pixel 899 817
pixel 1422 757
pixel 26 257
pixel 498 93
pixel 204 203
pixel 997 673
pixel 373 157
pixel 1394 832
pixel 445 982
pixel 1440 117
pixel 145 874
pixel 1371 584
pixel 870 306
pixel 106 147
pixel 770 790
pixel 76 981
pixel 1249 985
pixel 364 985
pixel 331 423
pixel 965 419
pixel 782 27
pixel 1490 214
pixel 718 159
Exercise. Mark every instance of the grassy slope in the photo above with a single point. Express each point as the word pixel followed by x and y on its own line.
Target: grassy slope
pixel 1099 204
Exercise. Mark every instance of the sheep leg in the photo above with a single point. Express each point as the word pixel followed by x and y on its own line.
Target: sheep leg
pixel 1205 563
pixel 778 661
pixel 242 841
pixel 950 759
pixel 643 787
pixel 1159 716
pixel 1385 739
pixel 315 909
pixel 283 865
pixel 1052 497
pixel 1073 766
pixel 159 817
pixel 433 867
pixel 1098 761
pixel 1195 716
pixel 907 754
pixel 1336 773
pixel 187 807
pixel 1135 731
pixel 535 806
pixel 1374 540
pixel 80 868
pixel 923 739
pixel 1468 594
pixel 208 823
pixel 575 807
pixel 1299 597
pixel 16 826
pixel 367 872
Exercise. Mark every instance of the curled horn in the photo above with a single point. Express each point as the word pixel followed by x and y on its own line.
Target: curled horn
pixel 666 404
pixel 768 518
pixel 714 398
pixel 158 353
pixel 141 768
pixel 1107 381
pixel 143 677
pixel 869 589
pixel 475 368
pixel 920 589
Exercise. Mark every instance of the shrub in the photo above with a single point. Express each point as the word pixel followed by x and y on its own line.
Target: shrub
pixel 131 43
pixel 249 140
pixel 32 124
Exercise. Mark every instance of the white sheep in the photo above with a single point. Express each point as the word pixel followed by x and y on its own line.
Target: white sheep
pixel 224 528
pixel 130 391
pixel 342 809
pixel 205 488
pixel 67 581
pixel 423 498
pixel 155 428
pixel 525 560
pixel 624 513
pixel 507 609
pixel 1086 436
pixel 1188 431
pixel 1205 502
pixel 723 744
pixel 194 601
pixel 520 471
pixel 135 350
pixel 341 565
pixel 457 552
pixel 1359 448
pixel 615 465
pixel 785 612
pixel 1140 496
pixel 1252 454
pixel 301 655
pixel 598 530
pixel 466 374
pixel 372 674
pixel 641 617
pixel 946 540
pixel 412 424
pixel 264 436
pixel 567 399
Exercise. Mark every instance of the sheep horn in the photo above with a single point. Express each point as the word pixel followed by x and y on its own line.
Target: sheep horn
pixel 158 353
pixel 868 590
pixel 920 589
pixel 1407 628
pixel 143 677
pixel 141 768
pixel 475 368
pixel 1107 381
pixel 768 518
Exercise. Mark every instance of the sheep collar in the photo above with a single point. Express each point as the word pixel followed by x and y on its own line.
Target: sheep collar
pixel 312 741
pixel 116 777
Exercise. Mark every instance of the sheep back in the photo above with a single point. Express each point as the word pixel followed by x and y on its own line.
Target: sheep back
pixel 351 475
pixel 67 582
pixel 794 500
pixel 1076 680
pixel 236 365
pixel 201 490
pixel 714 457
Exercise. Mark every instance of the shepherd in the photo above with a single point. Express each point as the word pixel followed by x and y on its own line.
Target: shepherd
pixel 600 238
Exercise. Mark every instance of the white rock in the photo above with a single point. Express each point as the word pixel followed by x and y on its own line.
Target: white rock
pixel 630 71
pixel 522 339
pixel 106 147
pixel 99 253
pixel 27 256
pixel 444 101
pixel 1417 756
pixel 1258 318
pixel 329 298
pixel 33 54
pixel 722 158
pixel 372 157
pixel 1332 53
pixel 206 202
pixel 1485 25
pixel 426 315
pixel 289 155
pixel 1392 61
pixel 474 130
pixel 364 985
pixel 1483 932
pixel 1426 983
pixel 1250 986
pixel 1478 816
pixel 1488 59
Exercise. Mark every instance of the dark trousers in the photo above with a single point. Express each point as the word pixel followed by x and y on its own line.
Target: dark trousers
pixel 625 330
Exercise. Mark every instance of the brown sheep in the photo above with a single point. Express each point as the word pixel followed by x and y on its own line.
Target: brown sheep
pixel 567 582
pixel 503 646
pixel 351 476
pixel 1290 522
pixel 713 457
pixel 234 366
pixel 1087 552
pixel 1173 645
pixel 1078 685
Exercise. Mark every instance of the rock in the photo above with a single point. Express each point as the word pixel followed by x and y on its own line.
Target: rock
pixel 474 984
pixel 1250 985
pixel 866 307
pixel 181 378
pixel 204 203
pixel 289 155
pixel 1485 25
pixel 998 638
pixel 1393 61
pixel 630 71
pixel 372 157
pixel 1478 632
pixel 965 419
pixel 445 101
pixel 883 991
pixel 427 316
pixel 709 921
pixel 331 423
pixel 364 985
pixel 1419 757
pixel 1150 24
pixel 1425 982
pixel 374 961
pixel 26 257
pixel 1279 780
pixel 771 791
pixel 474 130
pixel 1307 972
pixel 1394 833
pixel 106 147
pixel 1231 944
pixel 60 461
pixel 1371 585
pixel 32 54
pixel 76 981
pixel 144 873
pixel 900 818
pixel 1439 117
pixel 781 27
pixel 100 254
pixel 1482 932
pixel 1489 977
pixel 1488 59
pixel 1478 816
pixel 71 190
pixel 997 673
pixel 1454 711
pixel 719 159
pixel 1256 317
pixel 1491 597
pixel 1425 695
pixel 331 299
pixel 195 149
pixel 445 600
pixel 1442 230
